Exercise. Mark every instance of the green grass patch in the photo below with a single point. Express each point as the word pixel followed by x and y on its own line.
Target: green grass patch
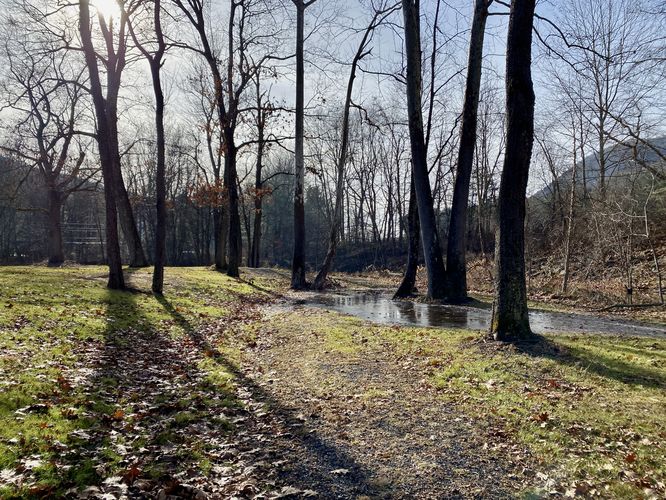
pixel 590 409
pixel 54 322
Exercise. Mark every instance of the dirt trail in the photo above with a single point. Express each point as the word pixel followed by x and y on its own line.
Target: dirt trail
pixel 371 425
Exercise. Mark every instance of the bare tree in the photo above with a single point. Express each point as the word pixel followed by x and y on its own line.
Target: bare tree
pixel 616 50
pixel 510 319
pixel 456 264
pixel 155 60
pixel 229 89
pixel 362 51
pixel 265 112
pixel 298 261
pixel 429 235
pixel 116 278
pixel 50 99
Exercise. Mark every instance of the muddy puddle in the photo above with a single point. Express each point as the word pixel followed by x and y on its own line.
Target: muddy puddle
pixel 380 308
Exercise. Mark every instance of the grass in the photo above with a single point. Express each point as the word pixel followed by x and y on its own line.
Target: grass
pixel 590 410
pixel 51 321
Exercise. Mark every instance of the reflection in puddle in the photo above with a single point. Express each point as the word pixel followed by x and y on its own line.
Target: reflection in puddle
pixel 382 309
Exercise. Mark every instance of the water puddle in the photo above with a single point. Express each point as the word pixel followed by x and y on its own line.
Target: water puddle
pixel 380 308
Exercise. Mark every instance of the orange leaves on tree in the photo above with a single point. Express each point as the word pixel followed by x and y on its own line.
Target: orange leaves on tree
pixel 206 194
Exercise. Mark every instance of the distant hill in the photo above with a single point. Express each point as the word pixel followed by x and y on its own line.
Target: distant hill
pixel 619 161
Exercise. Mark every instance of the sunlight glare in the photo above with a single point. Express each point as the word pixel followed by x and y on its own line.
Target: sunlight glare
pixel 108 9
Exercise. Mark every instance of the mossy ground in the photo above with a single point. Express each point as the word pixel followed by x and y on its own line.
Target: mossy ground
pixel 589 411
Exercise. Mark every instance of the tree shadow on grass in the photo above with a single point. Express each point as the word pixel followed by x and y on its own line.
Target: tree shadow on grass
pixel 593 361
pixel 250 282
pixel 316 458
pixel 144 409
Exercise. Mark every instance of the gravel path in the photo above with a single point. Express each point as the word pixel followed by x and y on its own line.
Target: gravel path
pixel 371 425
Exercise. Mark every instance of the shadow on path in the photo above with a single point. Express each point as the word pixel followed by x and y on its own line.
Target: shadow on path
pixel 315 472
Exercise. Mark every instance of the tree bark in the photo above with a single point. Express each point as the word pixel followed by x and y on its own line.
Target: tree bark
pixel 298 260
pixel 123 205
pixel 510 319
pixel 116 278
pixel 160 170
pixel 254 259
pixel 429 235
pixel 220 228
pixel 456 265
pixel 234 234
pixel 56 254
pixel 407 286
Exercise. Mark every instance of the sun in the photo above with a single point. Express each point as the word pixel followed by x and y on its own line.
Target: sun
pixel 108 9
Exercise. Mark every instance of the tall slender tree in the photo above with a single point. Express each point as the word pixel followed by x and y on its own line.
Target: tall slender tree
pixel 429 234
pixel 229 88
pixel 114 60
pixel 379 16
pixel 510 319
pixel 155 59
pixel 298 261
pixel 456 266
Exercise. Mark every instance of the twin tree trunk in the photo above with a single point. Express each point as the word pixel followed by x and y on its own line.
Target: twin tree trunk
pixel 510 320
pixel 431 247
pixel 124 207
pixel 126 213
pixel 116 279
pixel 456 265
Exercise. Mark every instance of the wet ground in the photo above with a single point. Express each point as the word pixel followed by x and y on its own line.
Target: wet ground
pixel 381 308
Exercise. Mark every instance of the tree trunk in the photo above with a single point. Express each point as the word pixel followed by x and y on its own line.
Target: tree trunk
pixel 456 249
pixel 123 205
pixel 125 211
pixel 160 177
pixel 56 254
pixel 116 278
pixel 510 319
pixel 298 261
pixel 407 286
pixel 234 235
pixel 320 280
pixel 429 235
pixel 258 202
pixel 570 221
pixel 255 259
pixel 221 229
